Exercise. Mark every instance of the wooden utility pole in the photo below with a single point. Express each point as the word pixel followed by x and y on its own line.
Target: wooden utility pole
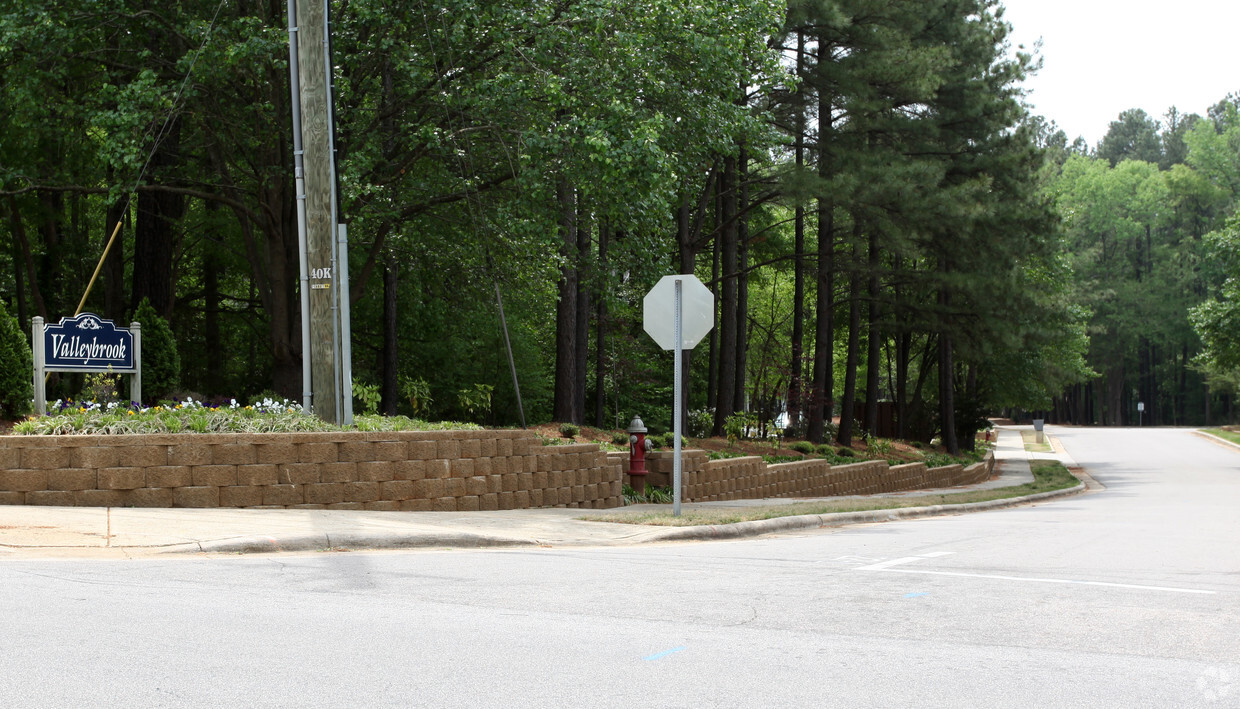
pixel 319 177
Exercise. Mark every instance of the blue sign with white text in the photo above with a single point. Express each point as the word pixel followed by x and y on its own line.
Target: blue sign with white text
pixel 87 342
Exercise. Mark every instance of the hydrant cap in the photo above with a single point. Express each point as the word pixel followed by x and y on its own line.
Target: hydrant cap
pixel 636 426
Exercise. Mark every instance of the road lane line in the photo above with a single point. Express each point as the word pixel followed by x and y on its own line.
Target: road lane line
pixel 933 554
pixel 889 563
pixel 879 567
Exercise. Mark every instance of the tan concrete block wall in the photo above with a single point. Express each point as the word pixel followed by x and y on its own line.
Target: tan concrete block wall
pixel 437 470
pixel 485 470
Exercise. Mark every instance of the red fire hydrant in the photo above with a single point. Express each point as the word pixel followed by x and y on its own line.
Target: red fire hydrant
pixel 637 455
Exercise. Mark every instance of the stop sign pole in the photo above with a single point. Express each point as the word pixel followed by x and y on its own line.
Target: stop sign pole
pixel 678 387
pixel 692 316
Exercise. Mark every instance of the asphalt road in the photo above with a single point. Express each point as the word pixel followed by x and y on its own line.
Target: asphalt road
pixel 1124 597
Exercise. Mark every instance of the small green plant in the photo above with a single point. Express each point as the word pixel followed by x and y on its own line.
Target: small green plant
pixel 652 496
pixel 101 387
pixel 368 396
pixel 569 430
pixel 660 495
pixel 668 440
pixel 826 449
pixel 804 447
pixel 620 438
pixel 877 447
pixel 846 453
pixel 418 393
pixel 477 399
pixel 736 426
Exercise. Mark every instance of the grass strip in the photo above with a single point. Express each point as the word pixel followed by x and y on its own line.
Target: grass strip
pixel 1226 435
pixel 1031 442
pixel 1048 475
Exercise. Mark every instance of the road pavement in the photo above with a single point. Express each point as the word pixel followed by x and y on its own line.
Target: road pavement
pixel 1126 596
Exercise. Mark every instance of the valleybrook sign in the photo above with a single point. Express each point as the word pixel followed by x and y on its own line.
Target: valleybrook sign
pixel 85 343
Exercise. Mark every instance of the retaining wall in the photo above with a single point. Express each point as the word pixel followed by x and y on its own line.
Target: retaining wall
pixel 408 470
pixel 749 478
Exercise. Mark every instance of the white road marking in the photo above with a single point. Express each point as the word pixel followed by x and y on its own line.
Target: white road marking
pixel 878 567
pixel 887 566
pixel 889 563
pixel 903 560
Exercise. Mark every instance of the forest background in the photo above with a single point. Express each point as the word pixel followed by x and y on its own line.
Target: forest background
pixel 892 237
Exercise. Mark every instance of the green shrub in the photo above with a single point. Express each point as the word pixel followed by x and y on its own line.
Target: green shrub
pixel 736 426
pixel 846 453
pixel 804 447
pixel 620 438
pixel 16 367
pixel 101 387
pixel 161 364
pixel 700 421
pixel 569 430
pixel 826 449
pixel 369 396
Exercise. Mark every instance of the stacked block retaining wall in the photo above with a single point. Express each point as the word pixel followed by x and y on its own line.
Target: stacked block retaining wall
pixel 750 478
pixel 408 470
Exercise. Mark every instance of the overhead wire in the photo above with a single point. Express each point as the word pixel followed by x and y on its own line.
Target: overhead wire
pixel 162 133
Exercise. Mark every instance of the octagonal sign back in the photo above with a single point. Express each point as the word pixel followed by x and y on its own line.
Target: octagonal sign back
pixel 697 305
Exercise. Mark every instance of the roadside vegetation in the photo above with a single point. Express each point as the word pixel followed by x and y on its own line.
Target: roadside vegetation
pixel 1048 476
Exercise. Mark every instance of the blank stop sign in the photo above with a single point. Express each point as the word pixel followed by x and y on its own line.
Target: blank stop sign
pixel 697 307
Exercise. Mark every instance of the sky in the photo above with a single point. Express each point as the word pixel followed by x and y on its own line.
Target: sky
pixel 1101 57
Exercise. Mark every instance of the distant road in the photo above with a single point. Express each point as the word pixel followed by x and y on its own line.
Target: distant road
pixel 1121 598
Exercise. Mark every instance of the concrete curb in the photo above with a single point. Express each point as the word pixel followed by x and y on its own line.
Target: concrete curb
pixel 349 540
pixel 1216 439
pixel 467 540
pixel 839 519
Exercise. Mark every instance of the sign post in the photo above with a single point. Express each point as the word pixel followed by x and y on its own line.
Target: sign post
pixel 677 313
pixel 85 343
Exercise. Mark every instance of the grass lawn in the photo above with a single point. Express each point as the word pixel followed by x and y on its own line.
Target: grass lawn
pixel 1048 475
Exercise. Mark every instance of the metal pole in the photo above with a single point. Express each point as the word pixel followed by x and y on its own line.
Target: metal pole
pixel 516 386
pixel 135 384
pixel 339 258
pixel 676 414
pixel 40 386
pixel 307 394
pixel 346 337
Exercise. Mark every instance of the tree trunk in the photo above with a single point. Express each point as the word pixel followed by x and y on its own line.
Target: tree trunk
pixel 725 397
pixel 600 327
pixel 947 400
pixel 821 404
pixel 872 340
pixel 742 285
pixel 566 309
pixel 798 256
pixel 23 246
pixel 155 232
pixel 211 318
pixel 391 360
pixel 848 403
pixel 585 283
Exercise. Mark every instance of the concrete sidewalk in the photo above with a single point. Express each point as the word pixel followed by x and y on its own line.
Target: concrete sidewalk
pixel 31 532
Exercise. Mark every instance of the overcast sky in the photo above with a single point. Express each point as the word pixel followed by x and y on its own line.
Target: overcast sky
pixel 1101 57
